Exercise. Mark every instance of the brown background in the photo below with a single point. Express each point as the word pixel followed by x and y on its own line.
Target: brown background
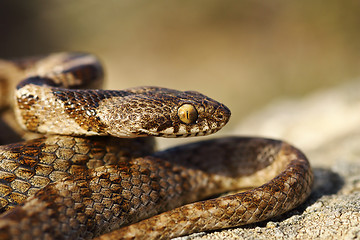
pixel 243 53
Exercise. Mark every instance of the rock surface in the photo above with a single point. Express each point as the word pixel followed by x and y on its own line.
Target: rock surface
pixel 326 127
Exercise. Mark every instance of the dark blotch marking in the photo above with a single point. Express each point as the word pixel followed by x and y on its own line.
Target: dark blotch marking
pixel 78 103
pixel 163 126
pixel 26 153
pixel 39 81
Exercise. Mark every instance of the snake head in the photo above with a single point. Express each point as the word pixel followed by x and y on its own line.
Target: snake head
pixel 198 115
pixel 155 111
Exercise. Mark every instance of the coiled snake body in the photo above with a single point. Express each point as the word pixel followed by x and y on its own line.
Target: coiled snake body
pixel 80 183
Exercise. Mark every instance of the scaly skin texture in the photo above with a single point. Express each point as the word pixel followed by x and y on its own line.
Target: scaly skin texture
pixel 68 187
pixel 285 191
pixel 27 167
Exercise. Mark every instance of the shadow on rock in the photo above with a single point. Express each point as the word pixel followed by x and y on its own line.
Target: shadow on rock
pixel 326 182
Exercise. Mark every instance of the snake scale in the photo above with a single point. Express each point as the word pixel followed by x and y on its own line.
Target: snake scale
pixel 95 174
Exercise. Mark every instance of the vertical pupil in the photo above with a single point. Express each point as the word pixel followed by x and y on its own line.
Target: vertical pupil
pixel 187 113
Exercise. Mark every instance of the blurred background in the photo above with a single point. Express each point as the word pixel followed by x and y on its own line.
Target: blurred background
pixel 242 53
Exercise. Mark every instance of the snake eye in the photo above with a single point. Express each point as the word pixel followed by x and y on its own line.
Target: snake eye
pixel 187 113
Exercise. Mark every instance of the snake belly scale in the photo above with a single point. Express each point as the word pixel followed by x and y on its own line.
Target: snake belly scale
pixel 95 173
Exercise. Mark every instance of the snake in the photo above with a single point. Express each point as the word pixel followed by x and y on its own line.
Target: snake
pixel 95 173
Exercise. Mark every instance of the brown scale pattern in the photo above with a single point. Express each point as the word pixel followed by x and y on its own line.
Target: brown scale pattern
pixel 106 198
pixel 27 167
pixel 145 109
pixel 75 100
pixel 65 187
pixel 97 200
pixel 284 192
